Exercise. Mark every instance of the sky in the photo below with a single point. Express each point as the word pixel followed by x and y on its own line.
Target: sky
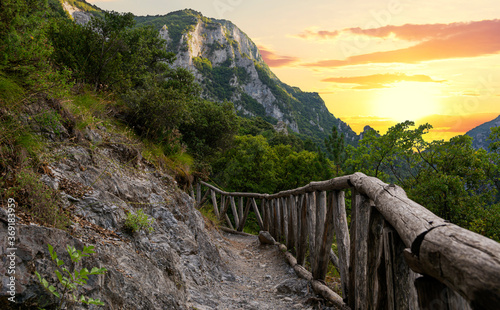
pixel 374 62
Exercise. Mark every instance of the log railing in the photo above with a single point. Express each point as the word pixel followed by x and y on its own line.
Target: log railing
pixel 395 254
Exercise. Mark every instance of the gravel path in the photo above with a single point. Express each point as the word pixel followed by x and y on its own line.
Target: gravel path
pixel 261 279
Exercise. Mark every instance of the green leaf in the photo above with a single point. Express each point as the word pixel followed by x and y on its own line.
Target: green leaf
pixel 38 275
pixel 45 283
pixel 59 275
pixel 59 262
pixel 96 270
pixel 89 249
pixel 95 302
pixel 53 254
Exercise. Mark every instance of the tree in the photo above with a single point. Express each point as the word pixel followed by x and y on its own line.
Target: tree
pixel 452 179
pixel 24 46
pixel 249 166
pixel 210 128
pixel 335 146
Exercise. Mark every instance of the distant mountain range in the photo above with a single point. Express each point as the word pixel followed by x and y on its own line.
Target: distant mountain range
pixel 481 133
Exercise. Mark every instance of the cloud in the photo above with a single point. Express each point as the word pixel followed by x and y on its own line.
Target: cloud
pixel 274 60
pixel 380 80
pixel 435 42
pixel 321 34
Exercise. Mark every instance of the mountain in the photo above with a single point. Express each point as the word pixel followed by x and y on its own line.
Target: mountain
pixel 480 133
pixel 229 67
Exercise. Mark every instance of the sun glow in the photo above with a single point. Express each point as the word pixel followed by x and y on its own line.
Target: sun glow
pixel 407 101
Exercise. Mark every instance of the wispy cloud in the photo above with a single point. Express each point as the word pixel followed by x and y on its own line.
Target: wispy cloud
pixel 434 42
pixel 380 80
pixel 320 34
pixel 274 60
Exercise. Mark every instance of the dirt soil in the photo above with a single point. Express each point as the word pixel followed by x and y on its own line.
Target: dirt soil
pixel 262 278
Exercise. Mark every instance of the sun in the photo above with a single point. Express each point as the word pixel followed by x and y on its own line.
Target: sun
pixel 406 101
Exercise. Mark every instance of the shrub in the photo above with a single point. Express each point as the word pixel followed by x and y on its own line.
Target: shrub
pixel 71 280
pixel 138 221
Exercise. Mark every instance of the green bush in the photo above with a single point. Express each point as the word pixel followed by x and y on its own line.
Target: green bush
pixel 70 281
pixel 139 221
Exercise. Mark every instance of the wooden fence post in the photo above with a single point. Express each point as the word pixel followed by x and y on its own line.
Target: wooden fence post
pixel 265 214
pixel 235 212
pixel 198 192
pixel 325 235
pixel 342 236
pixel 257 214
pixel 285 206
pixel 377 284
pixel 214 202
pixel 245 214
pixel 311 225
pixel 303 230
pixel 292 223
pixel 360 270
pixel 434 295
pixel 240 208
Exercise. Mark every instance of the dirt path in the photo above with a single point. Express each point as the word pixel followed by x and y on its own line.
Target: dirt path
pixel 262 278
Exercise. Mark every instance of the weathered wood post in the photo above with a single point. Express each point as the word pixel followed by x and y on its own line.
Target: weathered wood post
pixel 198 192
pixel 235 212
pixel 311 225
pixel 303 230
pixel 284 228
pixel 214 203
pixel 324 238
pixel 257 214
pixel 245 214
pixel 292 223
pixel 342 236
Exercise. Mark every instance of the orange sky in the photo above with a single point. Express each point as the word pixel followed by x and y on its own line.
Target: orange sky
pixel 373 62
pixel 442 73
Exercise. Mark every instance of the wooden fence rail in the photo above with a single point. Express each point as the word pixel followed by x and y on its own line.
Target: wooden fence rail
pixel 395 254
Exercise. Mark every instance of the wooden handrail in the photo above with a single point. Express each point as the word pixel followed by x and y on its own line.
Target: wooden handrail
pixel 387 228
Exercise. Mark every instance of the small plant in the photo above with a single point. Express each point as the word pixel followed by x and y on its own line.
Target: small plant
pixel 71 281
pixel 138 221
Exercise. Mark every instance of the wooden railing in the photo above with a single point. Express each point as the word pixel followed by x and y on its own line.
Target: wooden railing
pixel 395 254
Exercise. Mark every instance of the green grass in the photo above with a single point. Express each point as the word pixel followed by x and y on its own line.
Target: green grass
pixel 10 93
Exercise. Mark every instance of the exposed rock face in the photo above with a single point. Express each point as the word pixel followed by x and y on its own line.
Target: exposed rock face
pixel 158 270
pixel 252 86
pixel 80 17
pixel 481 133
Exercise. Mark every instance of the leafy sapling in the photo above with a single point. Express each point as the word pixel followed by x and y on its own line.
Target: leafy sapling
pixel 70 281
pixel 139 221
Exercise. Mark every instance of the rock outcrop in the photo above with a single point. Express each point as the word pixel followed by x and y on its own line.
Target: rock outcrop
pixel 100 185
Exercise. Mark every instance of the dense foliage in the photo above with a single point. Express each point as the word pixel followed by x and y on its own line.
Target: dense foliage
pixel 452 179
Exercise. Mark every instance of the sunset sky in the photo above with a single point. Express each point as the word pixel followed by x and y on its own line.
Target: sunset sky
pixel 373 62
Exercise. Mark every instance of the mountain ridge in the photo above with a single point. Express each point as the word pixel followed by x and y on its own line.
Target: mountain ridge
pixel 481 133
pixel 229 66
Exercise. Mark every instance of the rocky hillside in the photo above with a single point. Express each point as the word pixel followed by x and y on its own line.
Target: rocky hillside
pixel 99 176
pixel 481 133
pixel 230 67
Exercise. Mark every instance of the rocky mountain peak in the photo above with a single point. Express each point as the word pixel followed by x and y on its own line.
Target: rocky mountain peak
pixel 229 66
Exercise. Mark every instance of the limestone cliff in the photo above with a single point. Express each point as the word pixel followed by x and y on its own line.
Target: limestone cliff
pixel 230 67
